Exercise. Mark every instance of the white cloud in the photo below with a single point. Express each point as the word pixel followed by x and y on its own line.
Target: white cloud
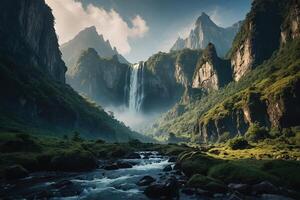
pixel 71 17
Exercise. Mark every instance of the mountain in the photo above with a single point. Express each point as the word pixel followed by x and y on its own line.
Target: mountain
pixel 101 79
pixel 87 38
pixel 34 96
pixel 205 32
pixel 264 91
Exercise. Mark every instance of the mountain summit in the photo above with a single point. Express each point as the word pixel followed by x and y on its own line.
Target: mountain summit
pixel 205 32
pixel 88 38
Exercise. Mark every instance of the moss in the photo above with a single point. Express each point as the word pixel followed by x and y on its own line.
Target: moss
pixel 204 182
pixel 238 143
pixel 238 173
pixel 255 133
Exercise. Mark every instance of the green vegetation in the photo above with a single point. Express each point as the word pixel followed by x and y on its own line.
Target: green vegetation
pixel 35 103
pixel 40 152
pixel 238 143
pixel 256 132
pixel 273 79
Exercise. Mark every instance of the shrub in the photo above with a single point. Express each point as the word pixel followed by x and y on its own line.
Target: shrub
pixel 76 137
pixel 256 133
pixel 238 143
pixel 23 136
pixel 224 137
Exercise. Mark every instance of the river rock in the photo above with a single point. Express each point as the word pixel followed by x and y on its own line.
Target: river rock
pixel 274 197
pixel 124 165
pixel 242 188
pixel 133 156
pixel 172 159
pixel 62 184
pixel 264 187
pixel 167 190
pixel 188 191
pixel 167 168
pixel 146 180
pixel 15 172
pixel 113 166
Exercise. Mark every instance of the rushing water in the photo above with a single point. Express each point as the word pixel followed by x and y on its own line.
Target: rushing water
pixel 98 184
pixel 136 90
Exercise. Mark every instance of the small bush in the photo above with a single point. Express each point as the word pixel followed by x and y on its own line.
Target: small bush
pixel 23 136
pixel 76 137
pixel 224 137
pixel 256 133
pixel 238 143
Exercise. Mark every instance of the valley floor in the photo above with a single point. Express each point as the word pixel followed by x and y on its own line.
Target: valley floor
pixel 71 166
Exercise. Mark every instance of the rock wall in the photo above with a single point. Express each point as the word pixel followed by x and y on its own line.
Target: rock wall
pixel 276 111
pixel 211 72
pixel 27 33
pixel 262 33
pixel 103 80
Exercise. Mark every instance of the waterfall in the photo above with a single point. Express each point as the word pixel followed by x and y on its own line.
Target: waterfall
pixel 136 90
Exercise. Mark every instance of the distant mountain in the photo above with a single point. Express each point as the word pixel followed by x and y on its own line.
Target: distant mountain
pixel 88 38
pixel 34 96
pixel 205 32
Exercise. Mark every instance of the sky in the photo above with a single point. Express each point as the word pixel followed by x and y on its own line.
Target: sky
pixel 141 28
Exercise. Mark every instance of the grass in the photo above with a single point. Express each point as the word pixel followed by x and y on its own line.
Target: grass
pixel 40 152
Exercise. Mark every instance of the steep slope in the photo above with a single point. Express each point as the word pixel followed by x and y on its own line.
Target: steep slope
pixel 267 95
pixel 205 32
pixel 101 79
pixel 87 38
pixel 211 72
pixel 269 25
pixel 28 37
pixel 166 75
pixel 34 96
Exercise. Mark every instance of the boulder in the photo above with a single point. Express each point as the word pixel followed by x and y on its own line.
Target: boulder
pixel 188 191
pixel 167 190
pixel 133 156
pixel 124 165
pixel 264 187
pixel 172 159
pixel 15 172
pixel 242 188
pixel 146 180
pixel 167 168
pixel 113 166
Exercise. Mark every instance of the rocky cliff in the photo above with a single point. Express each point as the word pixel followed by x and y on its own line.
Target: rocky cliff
pixel 205 32
pixel 34 97
pixel 101 79
pixel 166 77
pixel 27 35
pixel 262 33
pixel 211 72
pixel 87 38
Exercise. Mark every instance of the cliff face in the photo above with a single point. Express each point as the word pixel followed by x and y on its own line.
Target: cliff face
pixel 205 32
pixel 166 77
pixel 103 80
pixel 87 38
pixel 211 72
pixel 262 32
pixel 274 111
pixel 27 33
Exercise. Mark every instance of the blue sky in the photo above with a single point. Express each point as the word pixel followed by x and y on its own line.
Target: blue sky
pixel 167 19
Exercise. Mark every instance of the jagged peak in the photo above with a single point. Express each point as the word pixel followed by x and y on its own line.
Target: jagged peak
pixel 203 18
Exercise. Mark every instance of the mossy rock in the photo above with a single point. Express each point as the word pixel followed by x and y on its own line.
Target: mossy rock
pixel 196 163
pixel 239 173
pixel 15 172
pixel 238 143
pixel 207 183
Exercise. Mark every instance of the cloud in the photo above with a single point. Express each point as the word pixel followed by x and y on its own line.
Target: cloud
pixel 71 17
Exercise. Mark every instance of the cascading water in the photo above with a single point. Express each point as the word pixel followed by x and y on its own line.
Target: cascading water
pixel 136 90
